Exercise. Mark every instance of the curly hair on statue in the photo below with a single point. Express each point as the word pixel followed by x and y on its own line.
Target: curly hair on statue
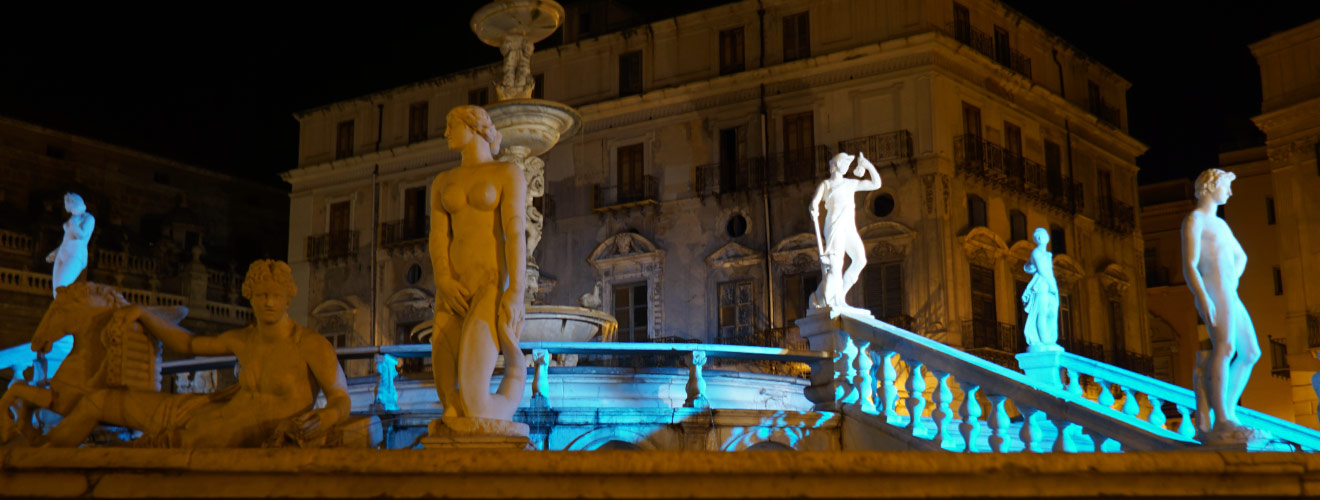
pixel 478 120
pixel 1211 179
pixel 269 273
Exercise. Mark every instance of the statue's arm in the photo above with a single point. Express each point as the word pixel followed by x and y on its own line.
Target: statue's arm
pixel 86 227
pixel 438 244
pixel 872 182
pixel 324 365
pixel 513 221
pixel 1191 253
pixel 173 336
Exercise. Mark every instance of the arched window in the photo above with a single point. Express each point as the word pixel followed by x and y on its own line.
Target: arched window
pixel 975 211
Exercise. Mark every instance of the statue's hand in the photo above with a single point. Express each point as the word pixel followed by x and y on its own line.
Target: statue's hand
pixel 454 295
pixel 1208 307
pixel 509 317
pixel 316 422
pixel 50 257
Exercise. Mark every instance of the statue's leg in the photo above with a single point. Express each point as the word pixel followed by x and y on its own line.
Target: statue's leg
pixel 1248 353
pixel 1047 325
pixel 1200 387
pixel 856 251
pixel 445 332
pixel 476 358
pixel 1221 378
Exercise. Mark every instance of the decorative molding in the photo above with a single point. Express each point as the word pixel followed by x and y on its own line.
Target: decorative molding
pixel 1115 281
pixel 733 255
pixel 1067 271
pixel 983 247
pixel 627 257
pixel 928 181
pixel 796 254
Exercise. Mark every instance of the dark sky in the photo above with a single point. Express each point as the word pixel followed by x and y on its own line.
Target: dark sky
pixel 217 89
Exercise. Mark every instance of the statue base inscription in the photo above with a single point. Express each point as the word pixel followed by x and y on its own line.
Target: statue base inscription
pixel 473 432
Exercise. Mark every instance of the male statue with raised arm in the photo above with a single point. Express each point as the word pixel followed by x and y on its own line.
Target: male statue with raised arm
pixel 1213 262
pixel 840 230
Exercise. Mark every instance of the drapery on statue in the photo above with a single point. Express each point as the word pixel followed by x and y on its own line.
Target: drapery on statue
pixel 840 231
pixel 1213 262
pixel 1041 298
pixel 71 257
pixel 479 256
pixel 284 365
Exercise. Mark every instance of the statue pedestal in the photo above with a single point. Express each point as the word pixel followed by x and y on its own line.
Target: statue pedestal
pixel 476 433
pixel 1228 438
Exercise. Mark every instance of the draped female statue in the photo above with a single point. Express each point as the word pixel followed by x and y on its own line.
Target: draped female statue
pixel 71 257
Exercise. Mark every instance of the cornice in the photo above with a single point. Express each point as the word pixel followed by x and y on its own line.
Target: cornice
pixel 1283 121
pixel 417 155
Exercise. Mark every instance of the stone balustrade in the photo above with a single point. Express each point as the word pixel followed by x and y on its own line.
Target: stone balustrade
pixel 25 282
pixel 125 262
pixel 17 243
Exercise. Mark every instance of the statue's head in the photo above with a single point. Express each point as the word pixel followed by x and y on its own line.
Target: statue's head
pixel 1040 236
pixel 1215 183
pixel 840 163
pixel 269 286
pixel 467 123
pixel 73 203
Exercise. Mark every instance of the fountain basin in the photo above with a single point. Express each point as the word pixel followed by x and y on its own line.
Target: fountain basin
pixel 535 124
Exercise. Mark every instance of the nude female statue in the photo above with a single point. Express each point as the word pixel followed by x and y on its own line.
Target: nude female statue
pixel 71 257
pixel 479 257
pixel 1213 262
pixel 1041 298
pixel 284 365
pixel 840 229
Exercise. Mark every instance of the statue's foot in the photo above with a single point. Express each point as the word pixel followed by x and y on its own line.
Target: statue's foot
pixel 1229 432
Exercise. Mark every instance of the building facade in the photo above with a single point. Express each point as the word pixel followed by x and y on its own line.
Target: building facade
pixel 166 233
pixel 704 136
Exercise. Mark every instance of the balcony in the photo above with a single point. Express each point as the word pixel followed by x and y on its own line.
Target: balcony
pixel 794 166
pixel 1083 348
pixel 1132 361
pixel 989 334
pixel 333 245
pixel 1105 112
pixel 882 149
pixel 743 175
pixel 980 158
pixel 404 232
pixel 982 42
pixel 1116 216
pixel 624 196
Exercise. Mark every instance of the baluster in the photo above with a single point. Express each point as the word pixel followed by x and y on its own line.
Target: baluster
pixel 1156 417
pixel 1106 398
pixel 696 384
pixel 916 401
pixel 889 389
pixel 1063 443
pixel 971 416
pixel 942 415
pixel 1075 382
pixel 541 378
pixel 865 378
pixel 1130 406
pixel 999 424
pixel 1031 431
pixel 1104 443
pixel 1185 427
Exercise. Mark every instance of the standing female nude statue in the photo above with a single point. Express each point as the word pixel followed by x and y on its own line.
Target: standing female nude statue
pixel 71 257
pixel 479 257
pixel 1213 262
pixel 1041 298
pixel 840 230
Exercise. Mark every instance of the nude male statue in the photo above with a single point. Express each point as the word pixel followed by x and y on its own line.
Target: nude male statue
pixel 1213 262
pixel 840 237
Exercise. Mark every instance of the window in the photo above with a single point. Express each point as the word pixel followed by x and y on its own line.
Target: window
pixel 630 73
pixel 478 97
pixel 339 225
pixel 972 120
pixel 737 226
pixel 882 289
pixel 1278 280
pixel 962 23
pixel 631 168
pixel 630 309
pixel 883 205
pixel 1058 240
pixel 1003 51
pixel 1017 222
pixel 730 177
pixel 1065 322
pixel 413 276
pixel 1020 312
pixel 415 215
pixel 1279 358
pixel 797 294
pixel 1104 196
pixel 732 53
pixel 1093 98
pixel 797 37
pixel 344 140
pixel 1054 168
pixel 417 121
pixel 538 86
pixel 1013 146
pixel 799 139
pixel 735 314
pixel 1117 331
pixel 1269 210
pixel 985 318
pixel 975 211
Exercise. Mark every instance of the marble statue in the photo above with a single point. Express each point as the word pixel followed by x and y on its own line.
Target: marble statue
pixel 284 365
pixel 479 257
pixel 387 368
pixel 1213 262
pixel 71 257
pixel 517 82
pixel 1041 298
pixel 840 237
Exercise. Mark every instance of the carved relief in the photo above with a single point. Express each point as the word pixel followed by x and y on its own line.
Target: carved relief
pixel 733 255
pixel 983 247
pixel 944 180
pixel 928 181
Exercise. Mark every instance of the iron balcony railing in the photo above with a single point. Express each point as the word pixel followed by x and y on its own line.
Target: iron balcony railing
pixel 978 157
pixel 794 166
pixel 1105 112
pixel 719 178
pixel 987 333
pixel 332 245
pixel 984 43
pixel 623 194
pixel 1083 348
pixel 1116 216
pixel 882 149
pixel 404 231
pixel 1136 362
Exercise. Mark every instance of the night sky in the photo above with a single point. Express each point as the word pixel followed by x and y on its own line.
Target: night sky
pixel 218 89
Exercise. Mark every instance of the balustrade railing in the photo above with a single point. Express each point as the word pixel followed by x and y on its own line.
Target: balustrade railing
pixel 975 156
pixel 333 245
pixel 26 282
pixel 742 175
pixel 404 231
pixel 16 243
pixel 125 262
pixel 605 197
pixel 1136 362
pixel 882 149
pixel 794 166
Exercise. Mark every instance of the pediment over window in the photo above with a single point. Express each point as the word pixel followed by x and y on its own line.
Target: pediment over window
pixel 886 229
pixel 733 255
pixel 983 247
pixel 797 254
pixel 1115 281
pixel 411 305
pixel 1067 270
pixel 622 245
